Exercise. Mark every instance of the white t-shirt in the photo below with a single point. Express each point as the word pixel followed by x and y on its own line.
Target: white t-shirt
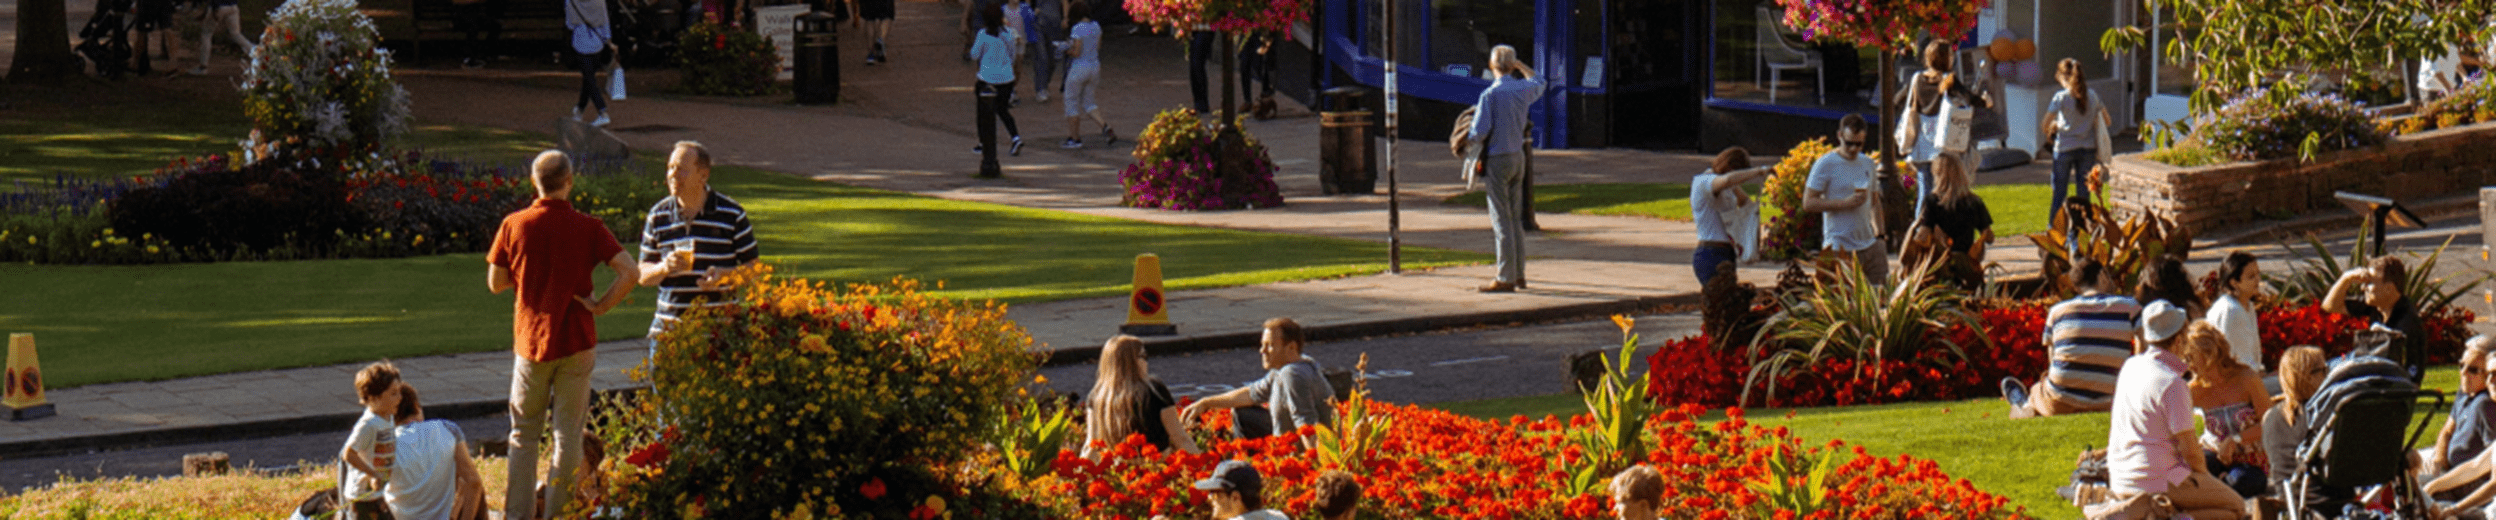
pixel 423 483
pixel 2238 323
pixel 2151 407
pixel 1707 207
pixel 1836 178
pixel 373 437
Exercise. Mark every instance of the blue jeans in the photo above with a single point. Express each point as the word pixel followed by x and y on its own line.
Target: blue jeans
pixel 1506 183
pixel 1709 258
pixel 1043 64
pixel 2071 175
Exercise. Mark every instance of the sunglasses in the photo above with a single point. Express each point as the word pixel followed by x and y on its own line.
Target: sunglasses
pixel 1850 144
pixel 2472 371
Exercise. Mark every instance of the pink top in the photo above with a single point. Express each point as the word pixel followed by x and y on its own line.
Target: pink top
pixel 2151 407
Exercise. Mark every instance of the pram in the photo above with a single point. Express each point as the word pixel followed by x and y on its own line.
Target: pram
pixel 2354 440
pixel 105 39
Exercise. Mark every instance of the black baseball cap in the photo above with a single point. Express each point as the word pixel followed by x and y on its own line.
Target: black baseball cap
pixel 1233 475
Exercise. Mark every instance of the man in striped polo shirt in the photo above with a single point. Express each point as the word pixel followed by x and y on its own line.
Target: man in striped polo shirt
pixel 2090 335
pixel 715 230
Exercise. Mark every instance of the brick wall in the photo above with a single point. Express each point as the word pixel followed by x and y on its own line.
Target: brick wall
pixel 2439 163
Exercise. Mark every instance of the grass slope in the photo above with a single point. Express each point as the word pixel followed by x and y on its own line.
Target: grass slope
pixel 2023 459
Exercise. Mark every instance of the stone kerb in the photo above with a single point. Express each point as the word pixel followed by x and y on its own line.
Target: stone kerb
pixel 2409 167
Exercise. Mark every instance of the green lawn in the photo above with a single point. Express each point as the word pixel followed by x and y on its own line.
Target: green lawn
pixel 2017 208
pixel 2024 459
pixel 99 324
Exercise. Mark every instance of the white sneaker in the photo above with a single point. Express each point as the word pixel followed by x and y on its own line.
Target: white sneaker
pixel 199 71
pixel 601 122
pixel 576 114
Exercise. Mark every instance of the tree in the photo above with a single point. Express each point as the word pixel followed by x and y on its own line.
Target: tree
pixel 2236 45
pixel 43 54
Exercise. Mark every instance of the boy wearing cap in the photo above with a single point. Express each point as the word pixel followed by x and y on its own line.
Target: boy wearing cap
pixel 2152 448
pixel 1237 493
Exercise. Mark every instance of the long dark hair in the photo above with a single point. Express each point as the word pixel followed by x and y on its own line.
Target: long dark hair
pixel 2166 280
pixel 2068 71
pixel 1077 11
pixel 992 17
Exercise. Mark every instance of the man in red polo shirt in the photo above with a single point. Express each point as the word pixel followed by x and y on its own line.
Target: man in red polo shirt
pixel 547 251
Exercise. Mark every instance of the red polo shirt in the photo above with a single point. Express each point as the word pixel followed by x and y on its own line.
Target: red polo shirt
pixel 550 249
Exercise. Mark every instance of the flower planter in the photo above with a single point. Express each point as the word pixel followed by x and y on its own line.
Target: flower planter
pixel 2426 164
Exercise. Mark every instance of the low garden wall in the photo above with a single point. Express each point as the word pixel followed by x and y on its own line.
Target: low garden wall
pixel 2406 168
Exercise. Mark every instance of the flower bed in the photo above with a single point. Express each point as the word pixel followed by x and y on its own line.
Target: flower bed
pixel 1688 371
pixel 1181 166
pixel 1434 464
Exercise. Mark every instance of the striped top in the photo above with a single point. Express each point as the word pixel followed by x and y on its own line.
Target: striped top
pixel 2091 336
pixel 721 237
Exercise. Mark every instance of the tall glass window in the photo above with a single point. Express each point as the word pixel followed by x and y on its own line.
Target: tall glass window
pixel 1759 60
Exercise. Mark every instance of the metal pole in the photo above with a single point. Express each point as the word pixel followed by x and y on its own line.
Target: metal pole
pixel 1395 216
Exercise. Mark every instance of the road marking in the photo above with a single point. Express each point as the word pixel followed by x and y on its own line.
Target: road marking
pixel 1454 362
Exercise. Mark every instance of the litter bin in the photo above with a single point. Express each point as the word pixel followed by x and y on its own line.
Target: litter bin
pixel 1346 154
pixel 818 74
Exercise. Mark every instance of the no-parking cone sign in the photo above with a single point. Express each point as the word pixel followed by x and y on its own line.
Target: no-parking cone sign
pixel 1148 310
pixel 24 380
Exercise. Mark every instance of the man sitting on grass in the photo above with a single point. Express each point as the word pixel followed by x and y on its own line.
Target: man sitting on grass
pixel 1294 390
pixel 2091 335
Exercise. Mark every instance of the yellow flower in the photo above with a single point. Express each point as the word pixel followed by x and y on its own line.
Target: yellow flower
pixel 1624 321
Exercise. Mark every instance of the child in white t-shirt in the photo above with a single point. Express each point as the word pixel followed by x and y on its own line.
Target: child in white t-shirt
pixel 372 446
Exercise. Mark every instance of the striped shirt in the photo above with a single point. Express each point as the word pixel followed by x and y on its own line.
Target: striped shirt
pixel 721 238
pixel 2091 336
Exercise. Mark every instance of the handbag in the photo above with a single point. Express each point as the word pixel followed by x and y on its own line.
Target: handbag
pixel 1957 127
pixel 615 84
pixel 2105 139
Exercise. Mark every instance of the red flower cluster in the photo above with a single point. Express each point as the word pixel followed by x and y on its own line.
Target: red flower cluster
pixel 1435 464
pixel 1687 370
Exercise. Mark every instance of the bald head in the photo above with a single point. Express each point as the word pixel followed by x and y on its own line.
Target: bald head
pixel 1504 59
pixel 552 171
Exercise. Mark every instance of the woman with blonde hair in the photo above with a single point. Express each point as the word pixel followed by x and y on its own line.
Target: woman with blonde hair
pixel 1127 400
pixel 1959 215
pixel 2301 372
pixel 2231 400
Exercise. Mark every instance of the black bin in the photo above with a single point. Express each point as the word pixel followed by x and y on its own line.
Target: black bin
pixel 818 74
pixel 1347 156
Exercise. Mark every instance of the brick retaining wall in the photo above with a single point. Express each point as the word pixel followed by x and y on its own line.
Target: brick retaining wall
pixel 2438 163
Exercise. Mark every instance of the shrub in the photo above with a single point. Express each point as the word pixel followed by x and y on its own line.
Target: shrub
pixel 1181 166
pixel 723 60
pixel 1848 318
pixel 802 397
pixel 2285 122
pixel 319 80
pixel 2186 155
pixel 1791 232
pixel 215 204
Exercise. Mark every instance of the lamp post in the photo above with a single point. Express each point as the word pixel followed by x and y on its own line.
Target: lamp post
pixel 1395 210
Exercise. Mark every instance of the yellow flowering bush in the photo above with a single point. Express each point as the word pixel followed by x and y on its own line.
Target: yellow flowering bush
pixel 799 399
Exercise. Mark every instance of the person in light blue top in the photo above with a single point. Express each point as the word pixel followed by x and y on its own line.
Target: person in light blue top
pixel 996 71
pixel 1499 131
pixel 2076 119
pixel 1842 190
pixel 1083 75
pixel 591 41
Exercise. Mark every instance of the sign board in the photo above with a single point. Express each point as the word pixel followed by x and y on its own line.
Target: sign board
pixel 779 24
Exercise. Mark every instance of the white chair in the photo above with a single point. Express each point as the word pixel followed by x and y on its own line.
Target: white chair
pixel 1778 55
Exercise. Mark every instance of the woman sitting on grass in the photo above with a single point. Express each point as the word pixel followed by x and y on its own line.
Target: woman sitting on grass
pixel 2151 448
pixel 2301 372
pixel 2231 400
pixel 1127 400
pixel 1955 212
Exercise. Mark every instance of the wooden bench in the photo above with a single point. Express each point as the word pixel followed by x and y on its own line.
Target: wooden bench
pixel 523 20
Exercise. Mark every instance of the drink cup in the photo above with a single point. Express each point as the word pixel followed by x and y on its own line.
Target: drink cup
pixel 683 252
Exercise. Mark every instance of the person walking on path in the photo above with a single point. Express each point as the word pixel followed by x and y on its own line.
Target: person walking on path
pixel 1846 223
pixel 1500 126
pixel 1293 393
pixel 1044 22
pixel 995 82
pixel 877 17
pixel 1083 76
pixel 481 21
pixel 546 252
pixel 1716 196
pixel 220 17
pixel 592 44
pixel 2076 122
pixel 1922 124
pixel 691 238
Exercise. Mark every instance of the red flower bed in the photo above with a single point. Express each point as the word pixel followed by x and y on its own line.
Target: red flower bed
pixel 1687 370
pixel 1434 464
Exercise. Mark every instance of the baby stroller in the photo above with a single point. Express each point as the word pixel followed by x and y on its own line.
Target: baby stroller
pixel 2354 440
pixel 105 40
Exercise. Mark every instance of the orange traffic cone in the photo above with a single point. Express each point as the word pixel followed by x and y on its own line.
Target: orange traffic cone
pixel 24 380
pixel 1148 312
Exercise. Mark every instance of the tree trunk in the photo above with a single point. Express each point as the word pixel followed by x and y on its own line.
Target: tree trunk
pixel 43 54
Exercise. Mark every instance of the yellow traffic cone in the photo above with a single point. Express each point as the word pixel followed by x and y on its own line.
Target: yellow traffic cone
pixel 1148 312
pixel 25 381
